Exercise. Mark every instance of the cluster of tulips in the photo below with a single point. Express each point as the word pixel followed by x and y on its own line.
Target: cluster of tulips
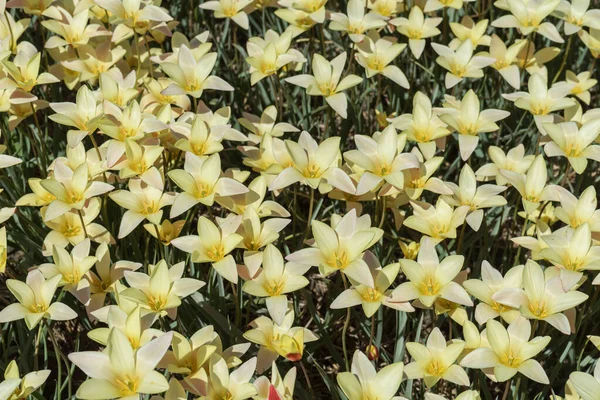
pixel 147 141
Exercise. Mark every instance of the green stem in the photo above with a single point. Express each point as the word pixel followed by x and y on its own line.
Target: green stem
pixel 564 60
pixel 43 145
pixel 310 388
pixel 149 61
pixel 137 51
pixel 346 325
pixel 460 237
pixel 82 223
pixel 382 220
pixel 506 390
pixel 160 245
pixel 310 213
pixel 523 230
pixel 59 355
pixel 37 347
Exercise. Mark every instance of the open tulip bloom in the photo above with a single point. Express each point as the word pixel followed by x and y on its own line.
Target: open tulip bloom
pixel 510 351
pixel 326 82
pixel 34 298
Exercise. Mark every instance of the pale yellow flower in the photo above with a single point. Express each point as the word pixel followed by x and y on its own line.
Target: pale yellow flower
pixel 430 279
pixel 201 181
pixel 71 30
pixel 380 160
pixel 371 299
pixel 375 56
pixel 436 360
pixel 422 126
pixel 72 269
pixel 315 165
pixel 513 160
pixel 506 59
pixel 235 385
pixel 121 372
pixel 71 188
pixel 575 211
pixel 144 200
pixel 532 186
pixel 15 387
pixel 326 82
pixel 341 247
pixel 492 282
pixel 34 298
pixel 466 118
pixel 24 72
pixel 83 115
pixel 267 56
pixel 579 85
pixel 527 16
pixel 136 16
pixel 574 142
pixel 233 9
pixel 467 29
pixel 265 125
pixel 417 28
pixel 541 101
pixel 364 382
pixel 94 60
pixel 355 22
pixel 213 244
pixel 438 222
pixel 466 193
pixel 577 15
pixel 283 340
pixel 276 279
pixel 543 297
pixel 162 290
pixel 461 63
pixel 192 76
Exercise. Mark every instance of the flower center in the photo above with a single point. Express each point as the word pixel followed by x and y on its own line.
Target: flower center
pixel 73 197
pixel 338 261
pixel 510 360
pixel 148 207
pixel 274 287
pixel 312 171
pixel 202 190
pixel 370 295
pixel 38 308
pixel 436 368
pixel 539 309
pixel 127 386
pixel 216 253
pixel 72 230
pixel 429 286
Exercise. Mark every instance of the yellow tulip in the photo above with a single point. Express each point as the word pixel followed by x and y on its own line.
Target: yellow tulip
pixel 326 82
pixel 121 372
pixel 364 382
pixel 213 244
pixel 430 279
pixel 436 360
pixel 161 291
pixel 15 387
pixel 340 247
pixel 510 351
pixel 543 297
pixel 34 298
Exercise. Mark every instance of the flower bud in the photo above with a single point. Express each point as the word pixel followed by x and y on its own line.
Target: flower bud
pixel 372 352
